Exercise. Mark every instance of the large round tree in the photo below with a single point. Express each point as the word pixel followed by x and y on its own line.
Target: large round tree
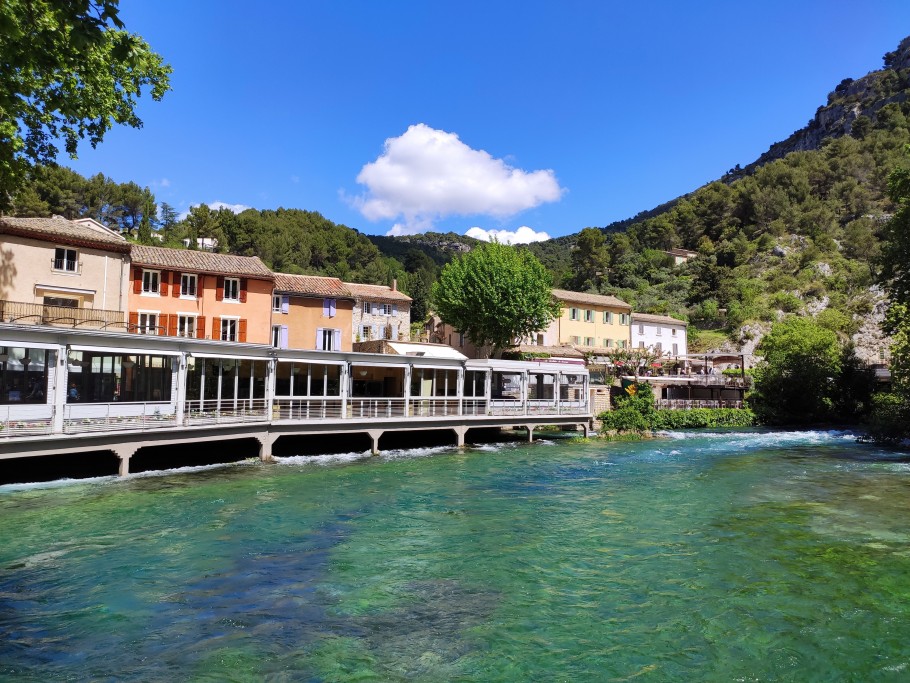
pixel 495 294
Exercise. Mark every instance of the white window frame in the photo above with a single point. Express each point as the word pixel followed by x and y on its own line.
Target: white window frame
pixel 146 324
pixel 185 318
pixel 276 304
pixel 186 278
pixel 65 261
pixel 608 317
pixel 574 314
pixel 366 332
pixel 225 332
pixel 575 339
pixel 590 341
pixel 658 331
pixel 276 336
pixel 152 277
pixel 368 308
pixel 385 309
pixel 589 315
pixel 232 287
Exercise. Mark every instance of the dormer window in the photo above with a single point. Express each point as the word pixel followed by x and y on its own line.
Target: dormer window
pixel 66 260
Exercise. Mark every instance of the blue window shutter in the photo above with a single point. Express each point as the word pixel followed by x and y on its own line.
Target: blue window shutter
pixel 283 337
pixel 336 340
pixel 319 339
pixel 394 309
pixel 285 303
pixel 333 307
pixel 325 308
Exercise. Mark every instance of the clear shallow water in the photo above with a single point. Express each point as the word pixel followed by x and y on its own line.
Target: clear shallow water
pixel 750 557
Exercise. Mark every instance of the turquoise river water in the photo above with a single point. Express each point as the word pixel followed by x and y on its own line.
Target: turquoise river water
pixel 762 556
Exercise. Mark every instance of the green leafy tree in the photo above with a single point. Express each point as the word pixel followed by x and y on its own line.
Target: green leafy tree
pixel 69 72
pixel 495 294
pixel 590 261
pixel 798 379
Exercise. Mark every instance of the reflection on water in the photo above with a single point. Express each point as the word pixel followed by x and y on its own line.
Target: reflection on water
pixel 706 556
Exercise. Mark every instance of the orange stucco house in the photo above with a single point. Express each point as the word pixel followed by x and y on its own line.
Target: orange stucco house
pixel 311 312
pixel 198 294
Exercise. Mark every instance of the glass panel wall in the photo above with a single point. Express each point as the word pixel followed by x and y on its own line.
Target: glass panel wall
pixel 23 374
pixel 506 385
pixel 225 380
pixel 106 377
pixel 541 387
pixel 474 383
pixel 307 379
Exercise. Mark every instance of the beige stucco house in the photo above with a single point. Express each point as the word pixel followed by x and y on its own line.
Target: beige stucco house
pixel 54 270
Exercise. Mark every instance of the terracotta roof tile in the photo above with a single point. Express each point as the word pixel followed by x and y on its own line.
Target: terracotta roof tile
pixel 649 318
pixel 186 260
pixel 311 284
pixel 377 293
pixel 64 231
pixel 592 299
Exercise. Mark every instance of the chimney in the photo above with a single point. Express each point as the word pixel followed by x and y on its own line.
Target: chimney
pixel 394 284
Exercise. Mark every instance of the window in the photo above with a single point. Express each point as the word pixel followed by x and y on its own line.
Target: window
pixel 228 325
pixel 61 302
pixel 328 339
pixel 575 340
pixel 574 314
pixel 231 290
pixel 589 316
pixel 367 307
pixel 641 329
pixel 66 260
pixel 608 317
pixel 608 343
pixel 623 318
pixel 676 349
pixel 539 340
pixel 329 308
pixel 673 332
pixel 148 323
pixel 658 347
pixel 366 332
pixel 622 343
pixel 385 309
pixel 658 330
pixel 186 326
pixel 151 281
pixel 276 303
pixel 188 283
pixel 641 345
pixel 276 336
pixel 589 341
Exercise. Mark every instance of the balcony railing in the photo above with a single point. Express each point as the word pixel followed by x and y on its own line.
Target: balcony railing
pixel 111 417
pixel 39 314
pixel 33 420
pixel 226 411
pixel 688 404
pixel 433 407
pixel 360 408
pixel 312 408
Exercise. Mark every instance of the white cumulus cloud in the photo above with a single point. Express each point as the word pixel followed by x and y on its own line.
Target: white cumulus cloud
pixel 426 174
pixel 522 235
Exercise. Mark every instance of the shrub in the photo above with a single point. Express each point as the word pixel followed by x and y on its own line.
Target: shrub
pixel 889 421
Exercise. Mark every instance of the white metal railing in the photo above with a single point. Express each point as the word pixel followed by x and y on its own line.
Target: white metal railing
pixel 501 406
pixel 688 404
pixel 436 406
pixel 474 406
pixel 80 418
pixel 26 420
pixel 310 408
pixel 214 411
pixel 359 408
pixel 543 408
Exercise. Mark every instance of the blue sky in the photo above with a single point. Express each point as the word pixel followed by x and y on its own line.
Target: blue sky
pixel 409 116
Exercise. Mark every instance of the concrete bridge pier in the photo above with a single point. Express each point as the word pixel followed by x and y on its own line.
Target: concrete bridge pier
pixel 375 434
pixel 531 429
pixel 266 441
pixel 460 433
pixel 124 452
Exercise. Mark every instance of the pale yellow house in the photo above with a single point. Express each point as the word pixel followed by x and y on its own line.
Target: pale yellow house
pixel 589 322
pixel 57 271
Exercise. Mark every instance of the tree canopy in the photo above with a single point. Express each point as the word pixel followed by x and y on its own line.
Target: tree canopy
pixel 495 294
pixel 69 72
pixel 798 379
